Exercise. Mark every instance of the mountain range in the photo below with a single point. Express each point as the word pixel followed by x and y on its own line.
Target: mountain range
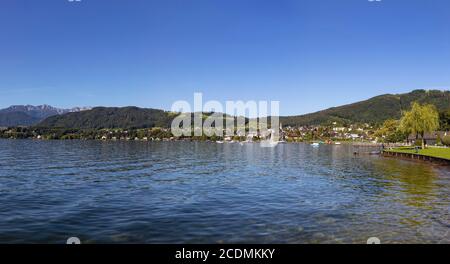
pixel 26 115
pixel 374 110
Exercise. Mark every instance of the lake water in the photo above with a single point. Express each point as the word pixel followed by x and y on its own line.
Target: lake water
pixel 200 192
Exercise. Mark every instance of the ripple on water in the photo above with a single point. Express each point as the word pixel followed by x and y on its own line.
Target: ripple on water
pixel 193 192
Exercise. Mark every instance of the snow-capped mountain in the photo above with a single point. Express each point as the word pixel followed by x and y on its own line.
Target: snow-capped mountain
pixel 25 115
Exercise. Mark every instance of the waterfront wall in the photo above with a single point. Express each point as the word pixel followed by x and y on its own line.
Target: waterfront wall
pixel 417 157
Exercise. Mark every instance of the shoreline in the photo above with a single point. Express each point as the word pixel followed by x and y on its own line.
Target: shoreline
pixel 432 154
pixel 355 144
pixel 415 157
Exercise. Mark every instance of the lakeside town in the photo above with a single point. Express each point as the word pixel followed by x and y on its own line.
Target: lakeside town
pixel 390 131
pixel 324 134
pixel 420 128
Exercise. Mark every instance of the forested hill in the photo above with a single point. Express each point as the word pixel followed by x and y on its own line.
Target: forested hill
pixel 17 119
pixel 373 110
pixel 111 117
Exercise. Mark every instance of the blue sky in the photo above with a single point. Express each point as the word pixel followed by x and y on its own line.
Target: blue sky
pixel 308 54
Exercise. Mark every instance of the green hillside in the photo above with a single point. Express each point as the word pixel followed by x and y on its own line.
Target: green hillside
pixel 111 117
pixel 17 119
pixel 374 110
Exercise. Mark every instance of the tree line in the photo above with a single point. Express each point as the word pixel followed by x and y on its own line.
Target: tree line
pixel 420 120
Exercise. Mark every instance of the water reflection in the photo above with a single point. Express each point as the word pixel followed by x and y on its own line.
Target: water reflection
pixel 417 181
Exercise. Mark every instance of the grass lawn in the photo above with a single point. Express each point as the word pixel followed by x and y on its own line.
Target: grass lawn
pixel 443 153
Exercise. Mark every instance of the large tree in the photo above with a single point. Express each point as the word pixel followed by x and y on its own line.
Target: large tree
pixel 420 120
pixel 389 132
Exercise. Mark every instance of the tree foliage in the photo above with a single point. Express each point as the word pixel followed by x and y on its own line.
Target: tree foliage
pixel 446 140
pixel 389 132
pixel 444 120
pixel 420 120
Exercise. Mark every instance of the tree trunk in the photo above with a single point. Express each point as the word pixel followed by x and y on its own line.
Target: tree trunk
pixel 423 140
